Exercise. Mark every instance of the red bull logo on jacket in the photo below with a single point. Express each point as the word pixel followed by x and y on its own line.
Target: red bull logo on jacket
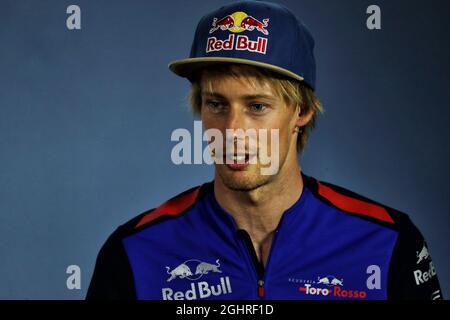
pixel 423 254
pixel 194 269
pixel 185 269
pixel 235 23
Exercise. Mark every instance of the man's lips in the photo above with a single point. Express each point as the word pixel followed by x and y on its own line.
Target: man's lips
pixel 238 158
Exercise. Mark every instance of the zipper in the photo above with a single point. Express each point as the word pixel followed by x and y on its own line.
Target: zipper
pixel 258 266
pixel 261 288
pixel 261 291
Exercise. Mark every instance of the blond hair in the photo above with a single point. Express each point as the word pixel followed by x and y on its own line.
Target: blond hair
pixel 293 92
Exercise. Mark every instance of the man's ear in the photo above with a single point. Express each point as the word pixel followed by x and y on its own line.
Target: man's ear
pixel 303 119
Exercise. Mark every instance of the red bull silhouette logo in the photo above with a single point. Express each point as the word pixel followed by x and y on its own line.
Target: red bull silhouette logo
pixel 422 255
pixel 239 21
pixel 184 270
pixel 249 23
pixel 223 24
pixel 330 281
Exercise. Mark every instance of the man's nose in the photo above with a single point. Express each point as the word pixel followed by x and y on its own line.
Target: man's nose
pixel 235 119
pixel 236 128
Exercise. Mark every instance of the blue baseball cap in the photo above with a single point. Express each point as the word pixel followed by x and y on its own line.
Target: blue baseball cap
pixel 256 33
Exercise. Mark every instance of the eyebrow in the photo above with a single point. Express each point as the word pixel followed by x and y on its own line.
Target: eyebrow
pixel 243 97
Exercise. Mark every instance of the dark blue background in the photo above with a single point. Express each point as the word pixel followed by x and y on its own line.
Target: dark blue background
pixel 86 118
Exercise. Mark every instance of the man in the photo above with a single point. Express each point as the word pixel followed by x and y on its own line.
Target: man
pixel 249 234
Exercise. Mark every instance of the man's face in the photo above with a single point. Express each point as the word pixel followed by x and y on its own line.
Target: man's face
pixel 240 104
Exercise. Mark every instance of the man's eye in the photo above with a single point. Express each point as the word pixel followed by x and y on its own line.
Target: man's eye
pixel 258 107
pixel 215 106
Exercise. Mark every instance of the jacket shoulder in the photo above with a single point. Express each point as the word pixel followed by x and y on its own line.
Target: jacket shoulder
pixel 170 209
pixel 358 205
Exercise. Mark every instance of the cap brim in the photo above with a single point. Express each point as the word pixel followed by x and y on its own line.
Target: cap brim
pixel 188 67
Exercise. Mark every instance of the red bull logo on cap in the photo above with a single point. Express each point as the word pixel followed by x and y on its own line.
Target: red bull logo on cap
pixel 235 23
pixel 240 21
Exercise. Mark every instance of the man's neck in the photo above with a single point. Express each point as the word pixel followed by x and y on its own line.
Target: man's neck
pixel 259 211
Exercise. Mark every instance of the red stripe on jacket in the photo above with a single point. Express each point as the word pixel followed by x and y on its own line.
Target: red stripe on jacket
pixel 353 205
pixel 172 207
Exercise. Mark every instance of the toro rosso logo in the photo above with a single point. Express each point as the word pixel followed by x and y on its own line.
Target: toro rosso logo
pixel 330 286
pixel 192 269
pixel 235 23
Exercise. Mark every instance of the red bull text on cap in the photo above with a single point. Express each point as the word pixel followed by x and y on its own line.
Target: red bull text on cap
pixel 257 33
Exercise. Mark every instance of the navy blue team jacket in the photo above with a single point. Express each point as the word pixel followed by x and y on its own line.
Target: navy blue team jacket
pixel 331 244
